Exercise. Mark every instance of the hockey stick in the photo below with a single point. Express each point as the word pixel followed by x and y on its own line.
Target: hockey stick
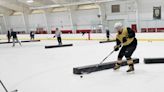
pixel 96 66
pixel 105 58
pixel 6 88
pixel 3 86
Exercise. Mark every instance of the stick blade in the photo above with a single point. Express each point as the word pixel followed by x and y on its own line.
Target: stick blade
pixel 15 90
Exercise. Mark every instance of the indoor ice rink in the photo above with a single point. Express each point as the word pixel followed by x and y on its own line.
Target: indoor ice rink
pixel 43 63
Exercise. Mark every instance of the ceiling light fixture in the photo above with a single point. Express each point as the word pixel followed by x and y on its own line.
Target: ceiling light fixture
pixel 30 1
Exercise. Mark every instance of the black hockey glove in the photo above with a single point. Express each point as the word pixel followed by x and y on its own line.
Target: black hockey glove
pixel 116 48
pixel 124 39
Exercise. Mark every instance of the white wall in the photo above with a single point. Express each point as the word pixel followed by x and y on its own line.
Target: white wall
pixel 146 8
pixel 146 13
pixel 2 25
pixel 128 17
pixel 85 19
pixel 17 23
pixel 59 19
pixel 37 20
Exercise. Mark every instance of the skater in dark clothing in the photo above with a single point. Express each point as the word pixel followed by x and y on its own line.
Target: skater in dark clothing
pixel 126 40
pixel 107 34
pixel 83 33
pixel 58 35
pixel 14 35
pixel 32 35
pixel 8 35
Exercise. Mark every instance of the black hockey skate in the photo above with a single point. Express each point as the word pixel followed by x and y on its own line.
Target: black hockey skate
pixel 131 68
pixel 117 66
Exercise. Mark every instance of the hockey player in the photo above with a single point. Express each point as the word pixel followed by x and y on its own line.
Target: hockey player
pixel 83 33
pixel 8 35
pixel 14 35
pixel 32 35
pixel 58 35
pixel 107 33
pixel 126 40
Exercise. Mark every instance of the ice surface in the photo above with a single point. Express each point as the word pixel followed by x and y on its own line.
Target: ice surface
pixel 31 68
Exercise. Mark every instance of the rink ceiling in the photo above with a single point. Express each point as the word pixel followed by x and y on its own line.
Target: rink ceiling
pixel 84 18
pixel 31 68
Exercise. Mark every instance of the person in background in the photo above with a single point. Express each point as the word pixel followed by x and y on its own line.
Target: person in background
pixel 32 35
pixel 58 35
pixel 126 40
pixel 107 33
pixel 14 35
pixel 83 33
pixel 8 35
